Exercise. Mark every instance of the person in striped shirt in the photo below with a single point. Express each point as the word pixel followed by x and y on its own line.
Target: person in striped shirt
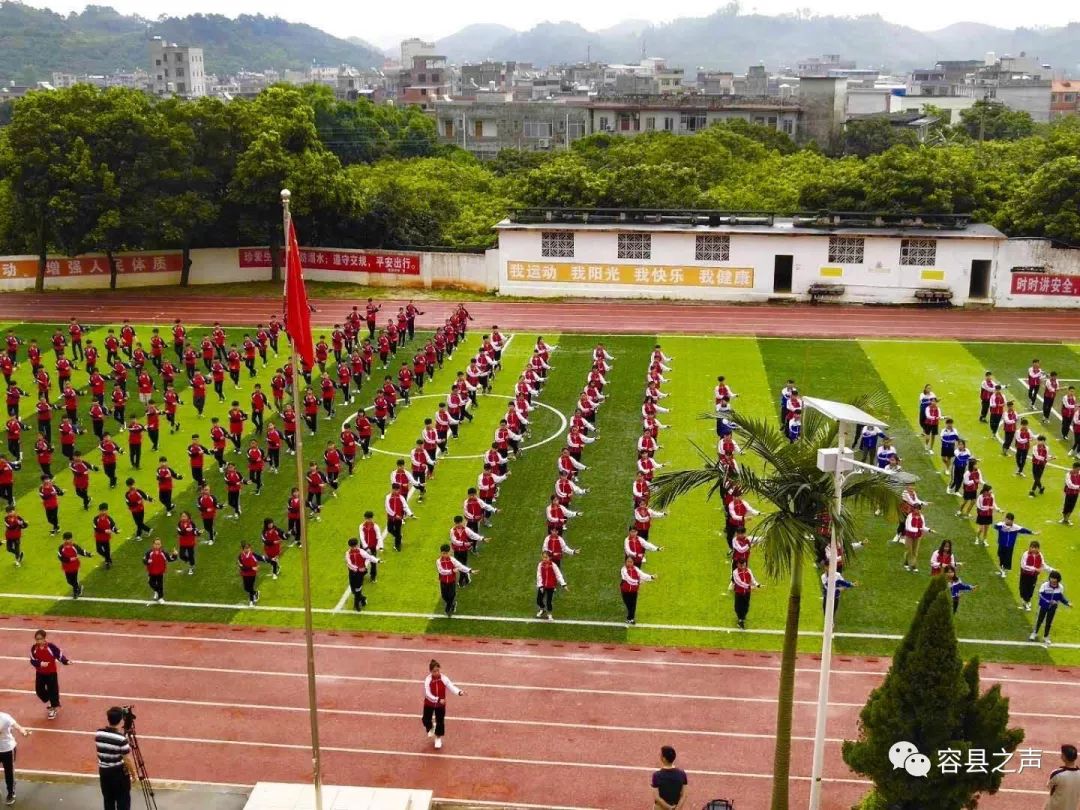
pixel 1051 594
pixel 436 685
pixel 115 769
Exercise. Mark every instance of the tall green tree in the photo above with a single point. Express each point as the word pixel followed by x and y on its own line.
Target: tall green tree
pixel 932 699
pixel 987 120
pixel 798 495
pixel 872 136
pixel 1047 203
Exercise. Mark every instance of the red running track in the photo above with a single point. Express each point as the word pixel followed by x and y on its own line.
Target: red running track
pixel 547 724
pixel 601 317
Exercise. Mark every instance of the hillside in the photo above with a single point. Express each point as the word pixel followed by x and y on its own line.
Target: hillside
pixel 727 39
pixel 36 42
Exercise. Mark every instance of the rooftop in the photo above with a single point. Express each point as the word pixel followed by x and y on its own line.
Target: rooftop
pixel 759 222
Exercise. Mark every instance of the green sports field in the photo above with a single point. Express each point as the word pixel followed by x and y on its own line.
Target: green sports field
pixel 688 605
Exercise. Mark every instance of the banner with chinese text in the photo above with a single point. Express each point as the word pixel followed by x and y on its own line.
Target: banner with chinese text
pixel 353 261
pixel 126 264
pixel 1045 284
pixel 646 275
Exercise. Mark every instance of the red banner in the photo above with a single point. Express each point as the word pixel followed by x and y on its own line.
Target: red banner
pixel 1045 284
pixel 352 261
pixel 126 264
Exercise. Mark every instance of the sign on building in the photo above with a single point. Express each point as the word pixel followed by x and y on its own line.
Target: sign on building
pixel 1045 284
pixel 354 261
pixel 647 275
pixel 126 264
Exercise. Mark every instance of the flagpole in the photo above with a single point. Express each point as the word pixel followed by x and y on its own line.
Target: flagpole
pixel 305 564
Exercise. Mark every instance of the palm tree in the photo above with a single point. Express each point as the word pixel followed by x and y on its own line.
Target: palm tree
pixel 801 496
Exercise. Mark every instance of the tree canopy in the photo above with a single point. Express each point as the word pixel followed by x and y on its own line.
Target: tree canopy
pixel 87 169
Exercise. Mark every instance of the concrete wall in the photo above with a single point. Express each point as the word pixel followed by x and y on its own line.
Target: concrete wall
pixel 1055 271
pixel 879 279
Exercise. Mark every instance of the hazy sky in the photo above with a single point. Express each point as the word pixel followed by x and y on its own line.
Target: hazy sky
pixel 385 23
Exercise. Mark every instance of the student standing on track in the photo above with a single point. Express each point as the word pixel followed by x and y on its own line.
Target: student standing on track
pixel 9 727
pixel 44 657
pixel 436 685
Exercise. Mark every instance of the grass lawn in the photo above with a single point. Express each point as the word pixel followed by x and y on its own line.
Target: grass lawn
pixel 690 597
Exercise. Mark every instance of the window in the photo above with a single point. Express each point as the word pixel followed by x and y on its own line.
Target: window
pixel 157 62
pixel 669 124
pixel 421 78
pixel 557 244
pixel 166 73
pixel 713 248
pixel 1070 97
pixel 789 127
pixel 434 78
pixel 650 124
pixel 604 126
pixel 181 88
pixel 537 129
pixel 772 121
pixel 846 249
pixel 635 246
pixel 918 252
pixel 692 122
pixel 179 73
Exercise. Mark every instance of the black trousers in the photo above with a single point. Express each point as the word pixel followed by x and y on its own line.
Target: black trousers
pixel 7 759
pixel 1021 459
pixel 1070 504
pixel 1027 586
pixel 393 527
pixel 984 409
pixel 104 551
pixel 157 584
pixel 234 501
pixel 187 554
pixel 73 580
pixel 356 585
pixel 165 496
pixel 53 517
pixel 995 422
pixel 1047 406
pixel 1037 471
pixel 1047 615
pixel 1006 443
pixel 140 523
pixel 208 525
pixel 115 788
pixel 742 606
pixel 448 591
pixel 47 686
pixel 544 598
pixel 463 558
pixel 1005 557
pixel 630 600
pixel 438 714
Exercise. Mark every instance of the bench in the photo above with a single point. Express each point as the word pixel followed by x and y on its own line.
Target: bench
pixel 820 290
pixel 935 296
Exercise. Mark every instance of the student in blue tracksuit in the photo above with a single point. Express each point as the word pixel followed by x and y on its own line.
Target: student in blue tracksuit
pixel 841 585
pixel 949 437
pixel 1007 532
pixel 785 393
pixel 961 457
pixel 1051 594
pixel 956 587
pixel 794 428
pixel 886 453
pixel 868 440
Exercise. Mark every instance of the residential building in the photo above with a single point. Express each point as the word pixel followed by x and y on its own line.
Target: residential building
pixel 1064 98
pixel 824 105
pixel 824 65
pixel 487 75
pixel 686 114
pixel 414 47
pixel 484 127
pixel 715 82
pixel 176 70
pixel 425 81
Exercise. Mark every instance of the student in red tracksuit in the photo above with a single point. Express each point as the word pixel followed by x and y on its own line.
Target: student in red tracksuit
pixel 397 512
pixel 630 581
pixel 234 482
pixel 742 583
pixel 357 560
pixel 44 657
pixel 50 501
pixel 256 463
pixel 448 569
pixel 247 562
pixel 157 559
pixel 208 507
pixel 13 529
pixel 548 577
pixel 292 515
pixel 462 541
pixel 104 529
pixel 136 502
pixel 68 554
pixel 316 480
pixel 272 538
pixel 187 539
pixel 165 476
pixel 436 686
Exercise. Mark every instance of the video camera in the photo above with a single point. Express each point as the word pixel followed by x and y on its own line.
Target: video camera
pixel 128 718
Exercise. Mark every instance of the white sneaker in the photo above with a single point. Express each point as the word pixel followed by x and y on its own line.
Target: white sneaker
pixel 438 740
pixel 431 733
pixel 539 614
pixel 1046 641
pixel 1032 637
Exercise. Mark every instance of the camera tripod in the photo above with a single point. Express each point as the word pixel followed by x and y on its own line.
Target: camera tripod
pixel 137 758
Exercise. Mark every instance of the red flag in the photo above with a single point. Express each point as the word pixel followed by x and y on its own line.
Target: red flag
pixel 297 311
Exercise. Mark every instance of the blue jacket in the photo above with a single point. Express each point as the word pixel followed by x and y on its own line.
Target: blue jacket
pixel 1007 534
pixel 1049 596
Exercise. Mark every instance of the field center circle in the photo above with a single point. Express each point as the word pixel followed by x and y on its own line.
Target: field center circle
pixel 562 428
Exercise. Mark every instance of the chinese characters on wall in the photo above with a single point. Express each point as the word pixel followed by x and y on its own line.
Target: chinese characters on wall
pixel 126 264
pixel 1045 284
pixel 356 261
pixel 641 275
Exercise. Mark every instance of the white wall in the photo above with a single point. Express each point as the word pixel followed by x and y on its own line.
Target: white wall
pixel 880 279
pixel 1036 255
